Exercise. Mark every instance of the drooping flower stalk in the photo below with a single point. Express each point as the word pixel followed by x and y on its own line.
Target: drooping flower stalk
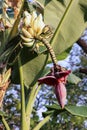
pixel 49 48
pixel 57 77
pixel 34 31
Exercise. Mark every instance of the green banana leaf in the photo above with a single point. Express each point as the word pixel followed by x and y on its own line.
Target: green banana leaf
pixel 74 110
pixel 68 20
pixel 77 110
pixel 32 67
pixel 54 109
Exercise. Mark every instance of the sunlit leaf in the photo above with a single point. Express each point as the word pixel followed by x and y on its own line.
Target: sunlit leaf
pixel 77 110
pixel 64 19
pixel 74 110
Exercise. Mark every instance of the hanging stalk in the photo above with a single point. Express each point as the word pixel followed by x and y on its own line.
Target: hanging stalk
pixel 5 123
pixel 24 125
pixel 49 48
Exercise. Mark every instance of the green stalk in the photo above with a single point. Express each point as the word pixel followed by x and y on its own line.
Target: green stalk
pixel 49 48
pixel 5 123
pixel 45 120
pixel 30 103
pixel 24 125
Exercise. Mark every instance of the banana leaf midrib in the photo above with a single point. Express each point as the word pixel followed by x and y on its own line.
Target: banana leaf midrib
pixel 61 21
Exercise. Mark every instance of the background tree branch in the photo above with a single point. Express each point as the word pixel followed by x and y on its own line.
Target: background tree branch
pixel 82 43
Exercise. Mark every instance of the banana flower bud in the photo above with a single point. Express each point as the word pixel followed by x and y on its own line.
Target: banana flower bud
pixel 58 81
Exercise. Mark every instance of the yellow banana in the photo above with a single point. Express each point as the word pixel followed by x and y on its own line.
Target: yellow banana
pixel 26 33
pixel 46 29
pixel 25 39
pixel 31 31
pixel 29 44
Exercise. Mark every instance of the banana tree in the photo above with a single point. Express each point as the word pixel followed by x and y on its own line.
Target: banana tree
pixel 40 30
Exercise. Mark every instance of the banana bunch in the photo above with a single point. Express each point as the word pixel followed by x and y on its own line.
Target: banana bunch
pixel 27 38
pixel 31 28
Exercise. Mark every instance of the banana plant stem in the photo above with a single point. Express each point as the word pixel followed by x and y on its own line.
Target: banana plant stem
pixel 23 115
